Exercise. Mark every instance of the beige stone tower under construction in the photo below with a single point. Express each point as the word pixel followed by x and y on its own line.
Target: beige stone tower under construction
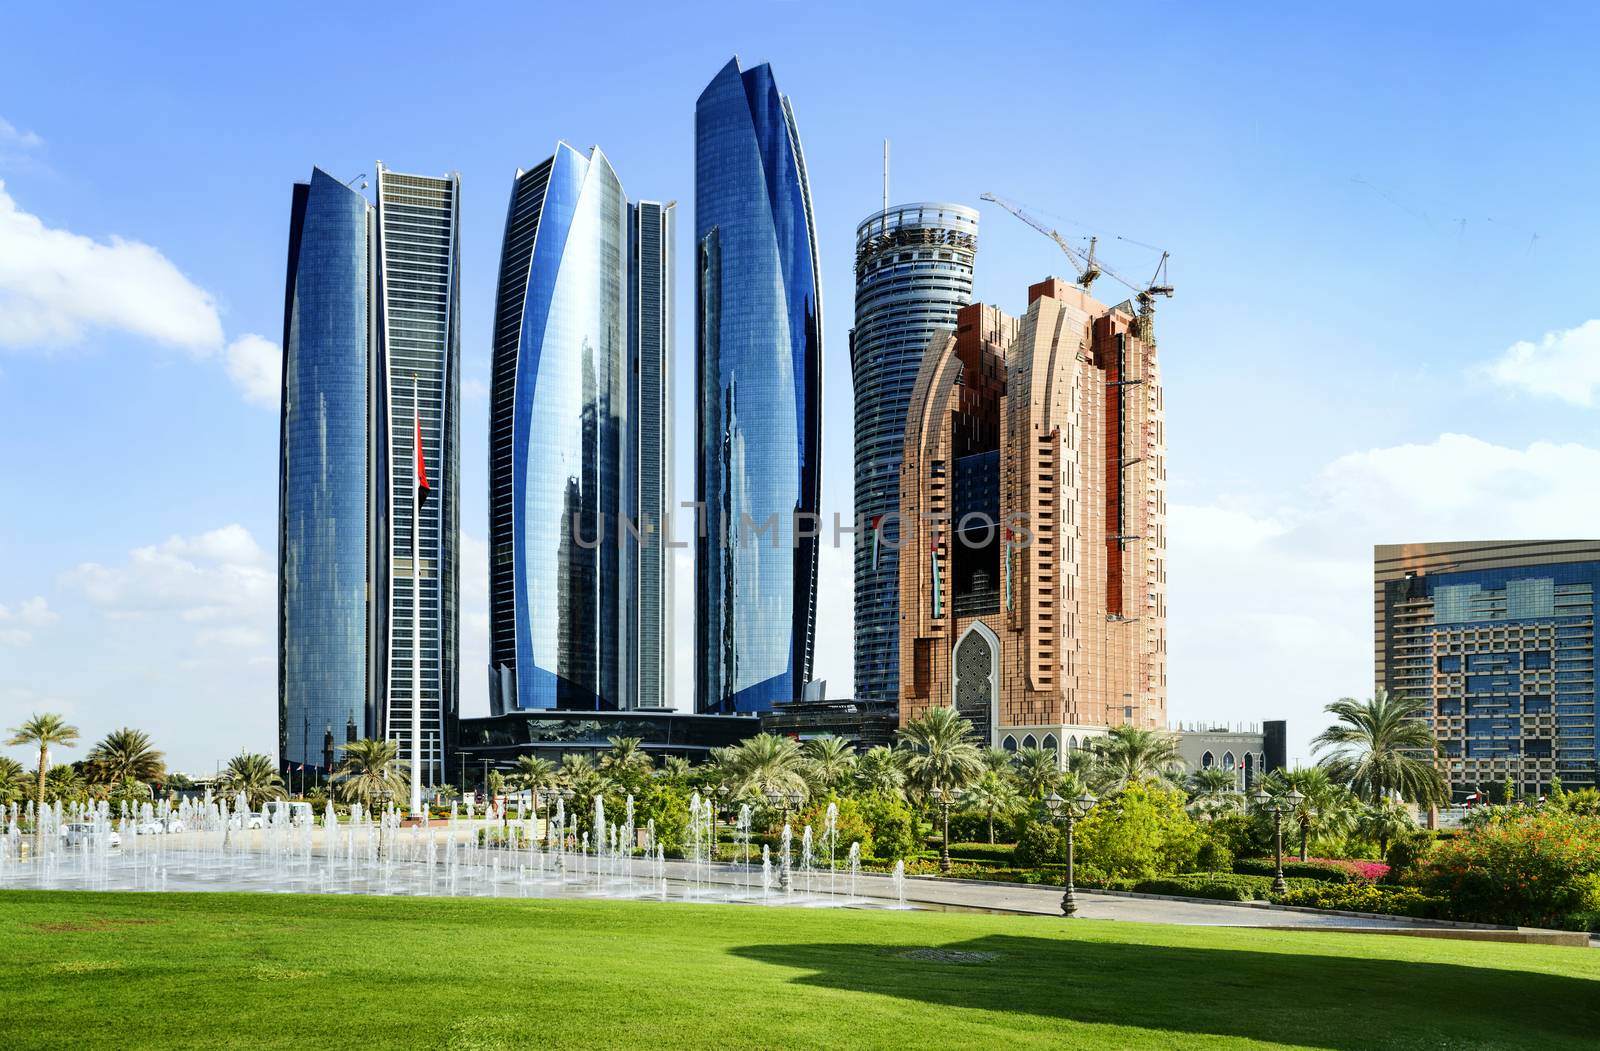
pixel 1032 528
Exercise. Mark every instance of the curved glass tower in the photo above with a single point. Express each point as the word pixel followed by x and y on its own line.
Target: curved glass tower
pixel 559 459
pixel 913 274
pixel 330 611
pixel 758 342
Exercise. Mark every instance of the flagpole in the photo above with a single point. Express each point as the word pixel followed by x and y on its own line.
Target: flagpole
pixel 416 614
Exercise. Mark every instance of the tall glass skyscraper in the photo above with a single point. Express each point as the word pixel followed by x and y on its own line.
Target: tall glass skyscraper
pixel 913 275
pixel 650 413
pixel 331 544
pixel 419 282
pixel 579 341
pixel 758 343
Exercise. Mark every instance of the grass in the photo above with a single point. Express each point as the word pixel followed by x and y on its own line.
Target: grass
pixel 89 970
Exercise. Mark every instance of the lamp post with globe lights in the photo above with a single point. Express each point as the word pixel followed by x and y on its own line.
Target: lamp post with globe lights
pixel 944 801
pixel 1278 806
pixel 784 802
pixel 1069 810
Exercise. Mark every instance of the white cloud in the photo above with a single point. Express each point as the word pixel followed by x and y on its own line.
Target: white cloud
pixel 219 577
pixel 1565 365
pixel 56 285
pixel 16 623
pixel 1270 600
pixel 12 136
pixel 255 364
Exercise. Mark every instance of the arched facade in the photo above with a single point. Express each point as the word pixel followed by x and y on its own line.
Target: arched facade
pixel 975 679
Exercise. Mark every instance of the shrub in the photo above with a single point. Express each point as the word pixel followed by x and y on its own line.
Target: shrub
pixel 892 824
pixel 849 822
pixel 990 853
pixel 1214 857
pixel 1143 832
pixel 1366 897
pixel 1532 867
pixel 1319 869
pixel 1241 834
pixel 1222 886
pixel 1405 854
pixel 1040 843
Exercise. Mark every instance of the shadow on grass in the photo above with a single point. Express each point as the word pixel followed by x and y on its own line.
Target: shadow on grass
pixel 1334 1002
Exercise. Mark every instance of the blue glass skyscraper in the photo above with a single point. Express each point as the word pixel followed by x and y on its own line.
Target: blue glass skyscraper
pixel 330 537
pixel 758 342
pixel 913 275
pixel 565 453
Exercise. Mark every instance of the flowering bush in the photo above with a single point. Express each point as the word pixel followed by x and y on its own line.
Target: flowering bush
pixel 1528 867
pixel 1328 870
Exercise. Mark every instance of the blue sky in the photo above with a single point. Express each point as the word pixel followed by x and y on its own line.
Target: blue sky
pixel 1382 223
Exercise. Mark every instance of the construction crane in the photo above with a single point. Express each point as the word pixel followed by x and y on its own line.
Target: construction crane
pixel 1088 268
pixel 1082 264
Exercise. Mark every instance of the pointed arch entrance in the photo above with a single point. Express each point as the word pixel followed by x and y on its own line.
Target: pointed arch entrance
pixel 975 684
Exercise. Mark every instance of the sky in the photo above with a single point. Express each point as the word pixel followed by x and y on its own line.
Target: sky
pixel 1382 224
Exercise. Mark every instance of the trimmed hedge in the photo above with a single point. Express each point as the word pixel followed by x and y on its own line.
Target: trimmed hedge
pixel 996 853
pixel 1320 871
pixel 1367 897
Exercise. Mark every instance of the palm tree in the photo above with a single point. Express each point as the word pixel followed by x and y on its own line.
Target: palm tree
pixel 766 763
pixel 13 780
pixel 832 761
pixel 66 784
pixel 44 731
pixel 1214 791
pixel 942 751
pixel 627 764
pixel 1037 771
pixel 881 769
pixel 533 773
pixel 1324 808
pixel 125 755
pixel 257 777
pixel 997 759
pixel 372 774
pixel 1383 748
pixel 675 770
pixel 1385 821
pixel 576 769
pixel 1129 755
pixel 991 796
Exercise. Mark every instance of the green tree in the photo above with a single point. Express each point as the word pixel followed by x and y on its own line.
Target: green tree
pixel 124 755
pixel 895 835
pixel 13 780
pixel 65 785
pixel 533 773
pixel 1385 821
pixel 626 765
pixel 832 761
pixel 1325 809
pixel 997 759
pixel 372 772
pixel 990 797
pixel 1133 755
pixel 256 776
pixel 1141 833
pixel 1383 747
pixel 768 763
pixel 43 730
pixel 1214 792
pixel 675 770
pixel 882 770
pixel 941 751
pixel 1038 772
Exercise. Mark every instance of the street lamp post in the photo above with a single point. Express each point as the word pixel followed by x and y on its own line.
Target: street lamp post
pixel 943 800
pixel 1277 807
pixel 1069 810
pixel 567 795
pixel 784 801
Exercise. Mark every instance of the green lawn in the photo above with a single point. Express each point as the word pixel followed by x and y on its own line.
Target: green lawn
pixel 211 970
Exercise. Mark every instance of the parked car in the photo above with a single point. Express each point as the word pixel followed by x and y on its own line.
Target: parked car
pixel 158 826
pixel 298 813
pixel 83 833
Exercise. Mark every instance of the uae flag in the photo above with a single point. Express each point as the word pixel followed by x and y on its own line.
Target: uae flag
pixel 422 467
pixel 877 534
pixel 938 606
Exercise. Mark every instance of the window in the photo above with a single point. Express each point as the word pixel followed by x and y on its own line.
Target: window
pixel 1227 761
pixel 1050 744
pixel 1029 742
pixel 1009 744
pixel 1207 761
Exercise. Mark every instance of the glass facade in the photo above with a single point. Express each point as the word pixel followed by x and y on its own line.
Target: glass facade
pixel 650 413
pixel 330 619
pixel 1505 657
pixel 758 354
pixel 418 221
pixel 561 467
pixel 914 265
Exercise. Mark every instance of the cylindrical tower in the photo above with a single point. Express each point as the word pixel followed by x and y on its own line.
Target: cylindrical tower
pixel 913 273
